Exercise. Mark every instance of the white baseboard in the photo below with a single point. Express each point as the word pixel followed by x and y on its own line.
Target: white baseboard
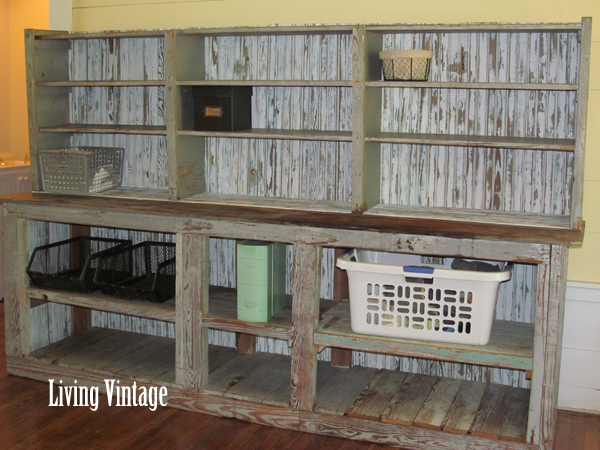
pixel 579 387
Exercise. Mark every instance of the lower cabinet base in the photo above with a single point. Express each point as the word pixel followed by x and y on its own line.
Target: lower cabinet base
pixel 344 426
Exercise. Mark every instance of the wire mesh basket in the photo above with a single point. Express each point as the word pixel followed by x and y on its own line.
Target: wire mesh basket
pixel 145 271
pixel 81 170
pixel 70 264
pixel 406 65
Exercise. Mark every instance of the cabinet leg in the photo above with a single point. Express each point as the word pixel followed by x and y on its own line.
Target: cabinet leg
pixel 191 338
pixel 305 317
pixel 550 306
pixel 340 357
pixel 245 343
pixel 16 307
pixel 81 319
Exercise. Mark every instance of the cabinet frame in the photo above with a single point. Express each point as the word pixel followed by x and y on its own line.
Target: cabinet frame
pixel 184 207
pixel 191 341
pixel 187 171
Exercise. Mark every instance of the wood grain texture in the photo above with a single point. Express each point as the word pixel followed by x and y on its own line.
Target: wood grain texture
pixel 491 412
pixel 511 343
pixel 365 156
pixel 268 382
pixel 341 389
pixel 305 317
pixel 374 400
pixel 160 311
pixel 409 399
pixel 18 328
pixel 245 343
pixel 557 285
pixel 437 404
pixel 239 215
pixel 192 302
pixel 399 436
pixel 582 107
pixel 514 426
pixel 461 415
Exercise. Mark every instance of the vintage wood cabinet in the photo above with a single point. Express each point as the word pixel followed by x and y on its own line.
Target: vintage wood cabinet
pixel 485 160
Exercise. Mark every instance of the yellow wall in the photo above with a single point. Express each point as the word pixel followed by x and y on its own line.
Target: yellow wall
pixel 134 14
pixel 4 79
pixel 21 14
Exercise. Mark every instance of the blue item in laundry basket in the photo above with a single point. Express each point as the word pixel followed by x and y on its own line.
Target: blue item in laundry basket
pixel 419 269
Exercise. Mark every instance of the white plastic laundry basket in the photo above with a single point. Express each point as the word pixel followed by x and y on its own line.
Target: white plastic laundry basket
pixel 414 297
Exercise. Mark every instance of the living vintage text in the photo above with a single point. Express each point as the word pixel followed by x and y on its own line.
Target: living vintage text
pixel 133 395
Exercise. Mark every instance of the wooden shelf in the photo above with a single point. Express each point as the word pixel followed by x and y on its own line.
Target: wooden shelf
pixel 149 310
pixel 473 215
pixel 149 359
pixel 124 193
pixel 455 140
pixel 273 83
pixel 106 129
pixel 263 133
pixel 460 407
pixel 261 378
pixel 102 83
pixel 466 85
pixel 510 346
pixel 62 207
pixel 271 202
pixel 223 316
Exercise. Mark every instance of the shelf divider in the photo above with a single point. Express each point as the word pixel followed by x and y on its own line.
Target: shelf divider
pixel 455 140
pixel 474 85
pixel 191 343
pixel 264 133
pixel 510 346
pixel 105 129
pixel 101 83
pixel 157 311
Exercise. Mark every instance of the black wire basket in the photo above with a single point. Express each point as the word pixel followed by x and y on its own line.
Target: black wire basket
pixel 145 271
pixel 406 65
pixel 70 264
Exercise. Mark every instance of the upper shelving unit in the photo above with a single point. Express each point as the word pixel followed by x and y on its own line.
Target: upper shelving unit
pixel 497 130
pixel 499 127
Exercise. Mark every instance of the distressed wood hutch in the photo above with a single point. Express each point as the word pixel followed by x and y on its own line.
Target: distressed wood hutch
pixel 485 161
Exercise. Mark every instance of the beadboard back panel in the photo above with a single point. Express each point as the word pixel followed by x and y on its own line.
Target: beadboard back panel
pixel 123 59
pixel 117 59
pixel 478 178
pixel 313 170
pixel 50 322
pixel 326 57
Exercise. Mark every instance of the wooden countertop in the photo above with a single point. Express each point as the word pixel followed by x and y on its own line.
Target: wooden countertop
pixel 457 229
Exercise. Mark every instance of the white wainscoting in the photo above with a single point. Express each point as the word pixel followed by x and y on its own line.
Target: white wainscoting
pixel 580 368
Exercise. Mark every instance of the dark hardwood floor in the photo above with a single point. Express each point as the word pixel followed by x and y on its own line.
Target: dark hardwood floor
pixel 27 422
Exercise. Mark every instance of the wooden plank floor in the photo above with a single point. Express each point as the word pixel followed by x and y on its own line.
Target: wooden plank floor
pixel 27 422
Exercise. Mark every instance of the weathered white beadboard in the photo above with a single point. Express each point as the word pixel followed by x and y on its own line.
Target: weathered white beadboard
pixel 117 59
pixel 478 178
pixel 278 168
pixel 50 322
pixel 122 59
pixel 284 57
